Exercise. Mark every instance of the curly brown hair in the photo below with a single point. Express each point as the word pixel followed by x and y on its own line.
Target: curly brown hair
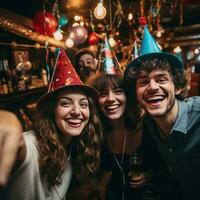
pixel 84 149
pixel 148 65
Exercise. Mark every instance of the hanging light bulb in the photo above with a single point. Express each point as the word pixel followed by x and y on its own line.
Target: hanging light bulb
pixel 100 10
pixel 69 43
pixel 112 41
pixel 58 35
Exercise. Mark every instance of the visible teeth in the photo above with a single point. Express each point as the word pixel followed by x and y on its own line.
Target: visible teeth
pixel 111 107
pixel 155 98
pixel 74 121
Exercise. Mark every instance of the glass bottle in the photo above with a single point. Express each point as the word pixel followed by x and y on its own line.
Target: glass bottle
pixel 44 77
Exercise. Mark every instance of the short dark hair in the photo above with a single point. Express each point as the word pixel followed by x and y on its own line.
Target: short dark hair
pixel 77 57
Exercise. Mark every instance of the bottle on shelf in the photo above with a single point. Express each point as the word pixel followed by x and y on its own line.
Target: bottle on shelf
pixel 4 77
pixel 1 87
pixel 20 71
pixel 14 80
pixel 5 86
pixel 1 75
pixel 44 77
pixel 7 75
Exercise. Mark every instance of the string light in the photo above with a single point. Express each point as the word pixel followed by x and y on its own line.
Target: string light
pixel 196 51
pixel 14 44
pixel 177 49
pixel 69 43
pixel 22 31
pixel 77 18
pixel 100 11
pixel 112 41
pixel 58 35
pixel 158 34
pixel 75 24
pixel 130 16
pixel 82 23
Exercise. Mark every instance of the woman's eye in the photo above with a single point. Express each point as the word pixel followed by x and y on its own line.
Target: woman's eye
pixel 84 105
pixel 65 104
pixel 102 94
pixel 118 91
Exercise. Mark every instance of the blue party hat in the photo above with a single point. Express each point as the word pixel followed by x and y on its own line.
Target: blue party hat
pixel 149 44
pixel 150 49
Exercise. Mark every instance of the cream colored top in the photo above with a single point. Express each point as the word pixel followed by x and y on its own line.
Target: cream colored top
pixel 26 183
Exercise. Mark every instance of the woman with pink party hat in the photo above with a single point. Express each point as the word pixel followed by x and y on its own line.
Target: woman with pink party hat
pixel 66 138
pixel 122 135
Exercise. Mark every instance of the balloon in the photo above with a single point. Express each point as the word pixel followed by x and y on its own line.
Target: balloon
pixel 93 39
pixel 45 23
pixel 78 34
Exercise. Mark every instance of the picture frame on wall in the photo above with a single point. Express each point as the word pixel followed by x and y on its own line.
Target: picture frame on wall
pixel 23 68
pixel 20 56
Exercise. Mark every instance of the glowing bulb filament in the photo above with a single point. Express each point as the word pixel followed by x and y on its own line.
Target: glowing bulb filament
pixel 100 11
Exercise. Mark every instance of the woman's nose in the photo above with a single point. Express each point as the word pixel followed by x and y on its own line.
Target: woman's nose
pixel 111 96
pixel 75 110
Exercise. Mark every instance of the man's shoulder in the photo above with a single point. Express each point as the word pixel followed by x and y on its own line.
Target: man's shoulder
pixel 193 103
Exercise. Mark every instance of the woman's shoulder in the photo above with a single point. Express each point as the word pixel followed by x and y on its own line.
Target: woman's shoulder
pixel 28 155
pixel 30 144
pixel 29 136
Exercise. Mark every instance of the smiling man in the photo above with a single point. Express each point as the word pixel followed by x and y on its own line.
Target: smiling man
pixel 85 64
pixel 157 79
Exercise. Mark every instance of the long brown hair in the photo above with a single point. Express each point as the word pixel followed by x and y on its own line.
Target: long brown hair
pixel 85 149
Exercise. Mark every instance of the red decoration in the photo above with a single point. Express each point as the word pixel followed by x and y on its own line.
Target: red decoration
pixel 45 23
pixel 64 73
pixel 93 39
pixel 143 21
